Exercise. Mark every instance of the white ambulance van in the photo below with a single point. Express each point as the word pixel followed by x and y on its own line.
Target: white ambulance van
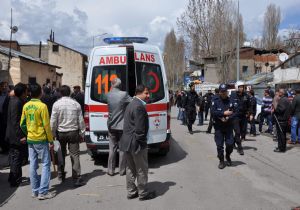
pixel 134 62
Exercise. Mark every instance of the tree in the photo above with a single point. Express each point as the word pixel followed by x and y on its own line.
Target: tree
pixel 292 39
pixel 272 19
pixel 211 27
pixel 174 55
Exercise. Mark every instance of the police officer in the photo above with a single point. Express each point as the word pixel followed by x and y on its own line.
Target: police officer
pixel 242 102
pixel 189 105
pixel 210 124
pixel 223 112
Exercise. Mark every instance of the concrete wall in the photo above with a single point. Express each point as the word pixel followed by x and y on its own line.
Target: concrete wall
pixel 40 71
pixel 71 64
pixel 33 50
pixel 211 73
pixel 286 75
pixel 13 76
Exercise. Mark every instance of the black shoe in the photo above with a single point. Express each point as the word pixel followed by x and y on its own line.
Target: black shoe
pixel 191 132
pixel 61 178
pixel 279 150
pixel 135 195
pixel 240 150
pixel 222 165
pixel 228 159
pixel 149 196
pixel 208 131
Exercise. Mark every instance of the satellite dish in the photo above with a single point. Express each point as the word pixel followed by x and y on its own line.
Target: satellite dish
pixel 14 29
pixel 283 57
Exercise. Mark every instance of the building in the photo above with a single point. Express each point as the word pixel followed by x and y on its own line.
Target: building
pixel 27 69
pixel 288 72
pixel 252 61
pixel 73 63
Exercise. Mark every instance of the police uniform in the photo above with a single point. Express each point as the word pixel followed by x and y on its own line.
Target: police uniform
pixel 190 102
pixel 242 103
pixel 210 124
pixel 223 126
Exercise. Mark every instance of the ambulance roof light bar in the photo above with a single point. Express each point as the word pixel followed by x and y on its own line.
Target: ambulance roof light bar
pixel 125 40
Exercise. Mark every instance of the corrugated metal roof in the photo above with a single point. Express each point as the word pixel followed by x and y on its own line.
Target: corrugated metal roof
pixel 18 54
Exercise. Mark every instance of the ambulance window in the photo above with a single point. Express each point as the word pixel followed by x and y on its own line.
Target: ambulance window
pixel 150 75
pixel 101 80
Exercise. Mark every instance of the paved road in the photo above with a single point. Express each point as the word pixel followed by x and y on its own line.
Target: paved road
pixel 188 178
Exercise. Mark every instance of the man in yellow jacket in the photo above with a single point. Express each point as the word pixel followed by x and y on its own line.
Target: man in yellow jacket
pixel 35 124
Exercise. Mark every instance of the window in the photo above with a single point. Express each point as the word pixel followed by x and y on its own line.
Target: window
pixel 101 80
pixel 55 48
pixel 150 75
pixel 245 69
pixel 32 80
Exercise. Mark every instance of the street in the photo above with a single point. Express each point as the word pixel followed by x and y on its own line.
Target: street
pixel 187 178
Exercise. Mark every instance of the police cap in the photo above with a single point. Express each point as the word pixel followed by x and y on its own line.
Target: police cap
pixel 223 87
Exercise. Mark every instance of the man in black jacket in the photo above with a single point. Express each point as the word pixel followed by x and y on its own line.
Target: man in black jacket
pixel 281 115
pixel 189 105
pixel 4 100
pixel 252 112
pixel 14 134
pixel 134 145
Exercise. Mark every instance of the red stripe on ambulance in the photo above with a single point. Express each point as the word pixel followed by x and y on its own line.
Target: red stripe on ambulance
pixel 149 107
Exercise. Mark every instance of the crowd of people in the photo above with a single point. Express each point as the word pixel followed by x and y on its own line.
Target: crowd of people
pixel 40 118
pixel 231 115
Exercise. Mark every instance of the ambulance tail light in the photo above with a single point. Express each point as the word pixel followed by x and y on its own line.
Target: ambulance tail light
pixel 168 116
pixel 87 117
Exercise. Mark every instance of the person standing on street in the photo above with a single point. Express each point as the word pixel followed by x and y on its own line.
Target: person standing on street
pixel 183 112
pixel 208 100
pixel 295 122
pixel 223 112
pixel 78 96
pixel 68 127
pixel 35 124
pixel 134 145
pixel 281 115
pixel 117 101
pixel 241 101
pixel 274 105
pixel 48 99
pixel 178 102
pixel 211 121
pixel 266 112
pixel 252 113
pixel 14 134
pixel 189 105
pixel 200 104
pixel 4 100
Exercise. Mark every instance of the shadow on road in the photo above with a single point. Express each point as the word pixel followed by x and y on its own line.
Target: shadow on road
pixel 249 148
pixel 6 192
pixel 68 184
pixel 160 187
pixel 237 163
pixel 250 139
pixel 175 154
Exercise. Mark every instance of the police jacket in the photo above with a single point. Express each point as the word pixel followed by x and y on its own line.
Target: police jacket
pixel 253 104
pixel 219 106
pixel 190 100
pixel 241 103
pixel 178 101
pixel 208 97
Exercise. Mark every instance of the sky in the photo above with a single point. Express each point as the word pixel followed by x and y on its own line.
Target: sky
pixel 76 22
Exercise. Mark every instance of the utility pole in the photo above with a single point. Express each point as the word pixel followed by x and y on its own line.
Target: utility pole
pixel 13 29
pixel 9 55
pixel 238 44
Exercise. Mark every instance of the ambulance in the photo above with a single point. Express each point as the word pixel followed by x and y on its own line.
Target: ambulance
pixel 134 62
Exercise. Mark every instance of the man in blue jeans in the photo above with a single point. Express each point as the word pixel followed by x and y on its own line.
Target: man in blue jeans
pixel 35 123
pixel 266 112
pixel 295 113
